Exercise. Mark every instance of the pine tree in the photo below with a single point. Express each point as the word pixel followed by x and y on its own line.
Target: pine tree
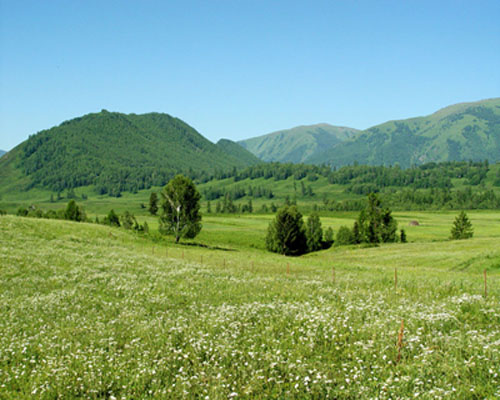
pixel 286 233
pixel 314 233
pixel 153 203
pixel 462 227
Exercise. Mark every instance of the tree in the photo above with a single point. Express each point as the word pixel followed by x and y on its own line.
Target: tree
pixel 314 233
pixel 286 233
pixel 328 236
pixel 180 208
pixel 73 212
pixel 402 236
pixel 375 224
pixel 462 227
pixel 127 220
pixel 153 203
pixel 112 219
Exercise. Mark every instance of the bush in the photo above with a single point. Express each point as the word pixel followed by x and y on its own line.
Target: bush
pixel 328 237
pixel 344 236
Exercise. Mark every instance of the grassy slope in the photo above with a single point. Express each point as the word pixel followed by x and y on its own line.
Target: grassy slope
pixel 467 131
pixel 297 144
pixel 91 311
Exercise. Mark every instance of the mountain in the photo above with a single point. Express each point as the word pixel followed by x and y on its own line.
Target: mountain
pixel 298 144
pixel 113 152
pixel 466 131
pixel 2 152
pixel 237 151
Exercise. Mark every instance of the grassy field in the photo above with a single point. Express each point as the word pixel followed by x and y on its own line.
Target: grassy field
pixel 89 311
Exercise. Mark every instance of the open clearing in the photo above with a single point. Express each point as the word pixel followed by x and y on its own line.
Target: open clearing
pixel 92 312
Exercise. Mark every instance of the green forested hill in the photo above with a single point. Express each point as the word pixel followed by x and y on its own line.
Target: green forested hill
pixel 467 131
pixel 297 144
pixel 237 151
pixel 2 152
pixel 113 152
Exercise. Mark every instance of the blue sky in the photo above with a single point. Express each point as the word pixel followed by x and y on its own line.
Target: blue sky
pixel 238 69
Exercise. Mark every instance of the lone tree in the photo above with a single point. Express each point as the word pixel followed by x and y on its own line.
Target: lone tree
pixel 462 227
pixel 180 209
pixel 153 203
pixel 286 233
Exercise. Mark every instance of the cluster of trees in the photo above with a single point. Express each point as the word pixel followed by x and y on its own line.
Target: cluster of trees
pixel 430 175
pixel 76 213
pixel 288 235
pixel 238 192
pixel 72 212
pixel 375 224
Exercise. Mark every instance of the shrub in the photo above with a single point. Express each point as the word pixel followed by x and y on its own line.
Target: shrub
pixel 344 236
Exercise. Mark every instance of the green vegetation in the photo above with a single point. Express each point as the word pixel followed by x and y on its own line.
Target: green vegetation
pixel 116 315
pixel 153 203
pixel 375 224
pixel 2 152
pixel 286 233
pixel 468 131
pixel 238 152
pixel 180 214
pixel 462 227
pixel 298 144
pixel 113 152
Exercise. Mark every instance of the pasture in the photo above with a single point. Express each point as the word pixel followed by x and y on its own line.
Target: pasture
pixel 89 311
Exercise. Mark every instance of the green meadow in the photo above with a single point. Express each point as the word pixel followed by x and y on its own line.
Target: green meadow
pixel 90 311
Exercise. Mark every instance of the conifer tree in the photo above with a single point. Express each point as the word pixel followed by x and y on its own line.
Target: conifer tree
pixel 286 233
pixel 153 203
pixel 314 233
pixel 462 227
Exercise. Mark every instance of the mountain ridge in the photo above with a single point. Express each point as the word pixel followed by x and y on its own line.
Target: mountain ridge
pixel 298 143
pixel 458 132
pixel 113 152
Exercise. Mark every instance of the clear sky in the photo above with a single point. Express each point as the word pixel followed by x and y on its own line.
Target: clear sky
pixel 237 69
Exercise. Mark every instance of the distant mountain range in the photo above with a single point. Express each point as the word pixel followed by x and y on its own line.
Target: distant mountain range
pixel 116 152
pixel 466 131
pixel 299 144
pixel 2 152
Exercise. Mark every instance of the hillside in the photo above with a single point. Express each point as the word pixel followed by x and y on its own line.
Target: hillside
pixel 466 131
pixel 90 311
pixel 297 144
pixel 237 151
pixel 113 152
pixel 2 152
